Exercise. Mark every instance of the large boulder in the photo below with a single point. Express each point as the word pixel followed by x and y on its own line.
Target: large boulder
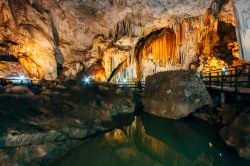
pixel 237 134
pixel 174 94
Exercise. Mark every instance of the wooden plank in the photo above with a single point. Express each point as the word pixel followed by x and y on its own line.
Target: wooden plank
pixel 230 89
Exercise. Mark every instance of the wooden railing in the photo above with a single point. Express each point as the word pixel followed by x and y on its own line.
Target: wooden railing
pixel 136 86
pixel 233 77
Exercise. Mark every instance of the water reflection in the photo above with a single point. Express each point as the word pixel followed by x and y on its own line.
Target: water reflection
pixel 155 141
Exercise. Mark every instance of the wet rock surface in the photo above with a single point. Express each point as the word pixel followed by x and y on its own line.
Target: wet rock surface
pixel 174 94
pixel 220 115
pixel 53 114
pixel 208 114
pixel 237 134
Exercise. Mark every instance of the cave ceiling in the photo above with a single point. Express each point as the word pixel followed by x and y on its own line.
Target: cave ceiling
pixel 103 35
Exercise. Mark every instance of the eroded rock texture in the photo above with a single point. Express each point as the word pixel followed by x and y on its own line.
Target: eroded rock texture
pixel 57 112
pixel 242 13
pixel 174 94
pixel 26 32
pixel 105 38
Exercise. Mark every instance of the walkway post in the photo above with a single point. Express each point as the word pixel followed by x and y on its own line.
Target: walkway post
pixel 236 79
pixel 222 98
pixel 218 79
pixel 231 78
pixel 222 79
pixel 210 79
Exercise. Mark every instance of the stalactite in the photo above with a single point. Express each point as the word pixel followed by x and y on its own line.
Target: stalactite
pixel 162 49
pixel 180 44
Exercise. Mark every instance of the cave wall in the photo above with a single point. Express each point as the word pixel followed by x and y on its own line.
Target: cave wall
pixel 100 37
pixel 179 46
pixel 51 32
pixel 242 15
pixel 26 33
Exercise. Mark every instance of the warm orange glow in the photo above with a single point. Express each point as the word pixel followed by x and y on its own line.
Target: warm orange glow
pixel 161 50
pixel 34 70
pixel 117 135
pixel 235 49
pixel 8 69
pixel 214 64
pixel 97 72
pixel 238 62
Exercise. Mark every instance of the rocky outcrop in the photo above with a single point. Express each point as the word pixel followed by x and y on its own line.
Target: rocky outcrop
pixel 237 134
pixel 58 112
pixel 220 115
pixel 227 13
pixel 174 94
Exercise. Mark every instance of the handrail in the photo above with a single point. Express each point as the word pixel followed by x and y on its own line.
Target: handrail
pixel 137 86
pixel 228 68
pixel 234 77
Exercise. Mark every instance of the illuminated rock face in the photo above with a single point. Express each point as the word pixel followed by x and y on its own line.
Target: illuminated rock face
pixel 227 13
pixel 53 32
pixel 26 33
pixel 8 69
pixel 104 35
pixel 242 13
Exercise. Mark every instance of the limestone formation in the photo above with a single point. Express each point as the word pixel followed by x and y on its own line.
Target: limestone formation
pixel 46 34
pixel 242 14
pixel 8 69
pixel 174 94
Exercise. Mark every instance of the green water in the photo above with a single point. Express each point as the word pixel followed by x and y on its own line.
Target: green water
pixel 153 141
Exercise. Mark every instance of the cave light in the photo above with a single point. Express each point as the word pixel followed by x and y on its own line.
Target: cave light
pixel 86 80
pixel 223 69
pixel 22 77
pixel 125 81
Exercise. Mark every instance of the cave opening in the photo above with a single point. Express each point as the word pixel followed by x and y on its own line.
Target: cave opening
pixel 156 52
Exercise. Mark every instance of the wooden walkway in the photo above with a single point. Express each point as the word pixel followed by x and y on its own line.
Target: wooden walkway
pixel 136 86
pixel 232 80
pixel 229 89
